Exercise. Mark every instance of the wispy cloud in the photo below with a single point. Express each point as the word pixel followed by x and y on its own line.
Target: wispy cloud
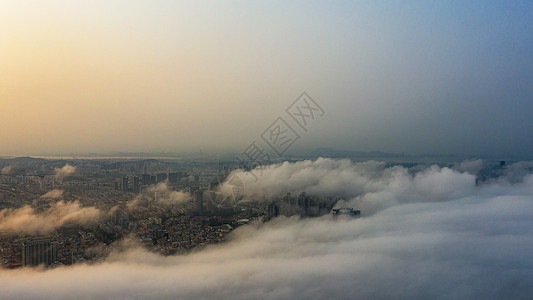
pixel 165 197
pixel 53 194
pixel 26 220
pixel 64 171
pixel 6 170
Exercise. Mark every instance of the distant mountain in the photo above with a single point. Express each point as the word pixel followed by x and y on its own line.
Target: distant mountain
pixel 335 153
pixel 25 159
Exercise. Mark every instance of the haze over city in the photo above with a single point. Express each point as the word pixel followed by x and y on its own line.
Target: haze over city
pixel 266 150
pixel 176 76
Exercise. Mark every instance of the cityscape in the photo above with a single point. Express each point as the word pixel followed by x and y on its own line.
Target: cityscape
pixel 178 208
pixel 168 206
pixel 266 149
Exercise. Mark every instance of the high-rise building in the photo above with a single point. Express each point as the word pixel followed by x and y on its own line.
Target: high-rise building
pixel 273 210
pixel 37 252
pixel 145 179
pixel 124 184
pixel 211 198
pixel 198 201
pixel 136 184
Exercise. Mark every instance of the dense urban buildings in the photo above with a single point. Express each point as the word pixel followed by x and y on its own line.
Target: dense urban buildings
pixel 169 206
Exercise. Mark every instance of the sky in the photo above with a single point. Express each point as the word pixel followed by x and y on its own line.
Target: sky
pixel 427 234
pixel 179 76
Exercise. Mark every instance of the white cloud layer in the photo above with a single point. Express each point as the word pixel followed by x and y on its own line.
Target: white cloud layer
pixel 369 186
pixel 26 220
pixel 432 235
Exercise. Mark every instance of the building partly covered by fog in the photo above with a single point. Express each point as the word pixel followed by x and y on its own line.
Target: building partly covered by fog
pixel 37 252
pixel 303 205
pixel 346 211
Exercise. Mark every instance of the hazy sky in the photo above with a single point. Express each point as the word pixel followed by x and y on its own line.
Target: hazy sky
pixel 413 77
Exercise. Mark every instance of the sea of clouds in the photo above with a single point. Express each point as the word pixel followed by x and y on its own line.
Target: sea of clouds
pixel 429 233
